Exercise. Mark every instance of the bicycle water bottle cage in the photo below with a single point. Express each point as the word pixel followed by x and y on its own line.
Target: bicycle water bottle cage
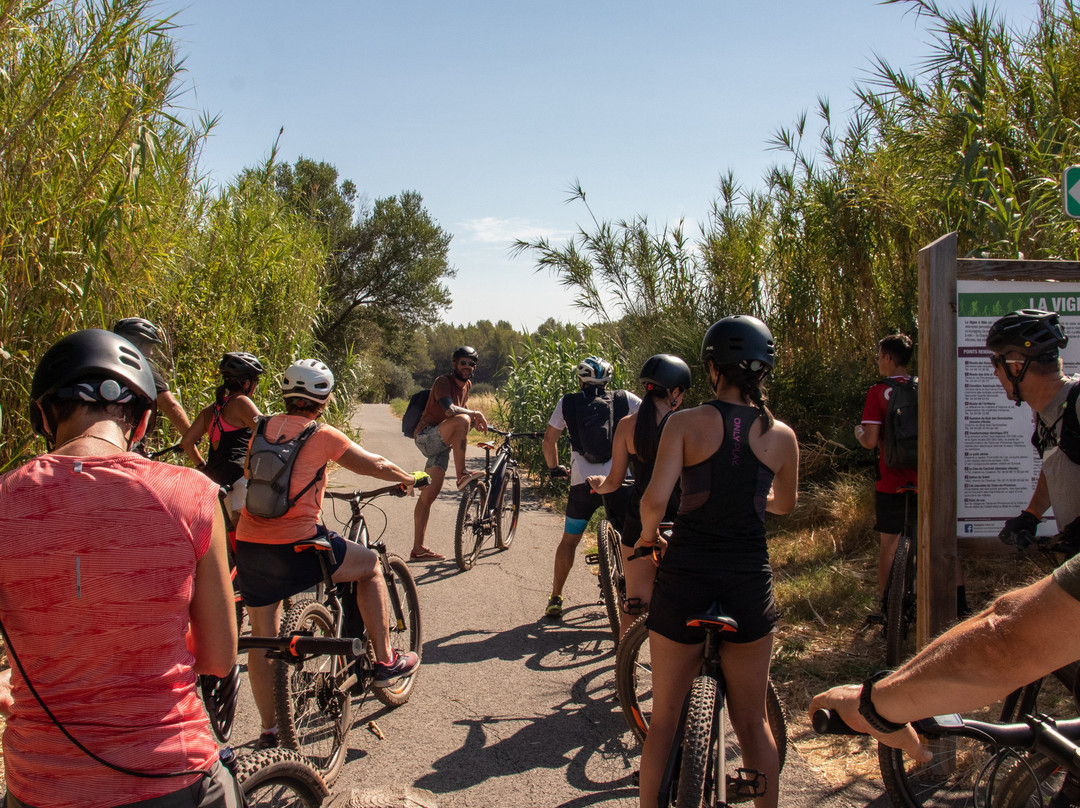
pixel 319 543
pixel 747 783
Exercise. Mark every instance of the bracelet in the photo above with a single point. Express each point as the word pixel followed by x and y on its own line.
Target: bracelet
pixel 867 710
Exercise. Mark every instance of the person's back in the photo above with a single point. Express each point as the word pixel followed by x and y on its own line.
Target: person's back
pixel 113 586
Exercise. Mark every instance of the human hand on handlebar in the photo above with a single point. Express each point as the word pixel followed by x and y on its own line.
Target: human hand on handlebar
pixel 419 480
pixel 558 472
pixel 1014 530
pixel 595 481
pixel 844 700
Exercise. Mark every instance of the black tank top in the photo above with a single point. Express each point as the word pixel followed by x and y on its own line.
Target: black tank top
pixel 225 460
pixel 723 498
pixel 642 472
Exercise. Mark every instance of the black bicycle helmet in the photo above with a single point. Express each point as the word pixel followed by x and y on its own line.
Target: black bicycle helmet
pixel 739 340
pixel 136 328
pixel 667 371
pixel 240 365
pixel 465 352
pixel 1032 332
pixel 91 365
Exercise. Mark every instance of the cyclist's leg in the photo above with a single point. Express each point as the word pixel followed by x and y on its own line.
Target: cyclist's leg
pixel 265 621
pixel 674 666
pixel 362 565
pixel 640 574
pixel 746 674
pixel 455 432
pixel 889 512
pixel 425 499
pixel 580 506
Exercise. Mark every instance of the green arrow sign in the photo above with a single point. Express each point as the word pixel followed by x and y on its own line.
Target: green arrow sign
pixel 1070 191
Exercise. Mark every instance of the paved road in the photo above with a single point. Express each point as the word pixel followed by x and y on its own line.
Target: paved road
pixel 509 709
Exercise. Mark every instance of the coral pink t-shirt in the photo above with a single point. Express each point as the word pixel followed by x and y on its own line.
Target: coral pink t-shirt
pixel 301 521
pixel 97 570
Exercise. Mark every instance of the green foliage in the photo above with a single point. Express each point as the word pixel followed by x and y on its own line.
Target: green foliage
pixel 495 343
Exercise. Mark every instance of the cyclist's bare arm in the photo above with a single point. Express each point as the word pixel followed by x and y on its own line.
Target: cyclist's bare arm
pixel 1040 498
pixel 1023 635
pixel 621 445
pixel 5 694
pixel 194 435
pixel 359 460
pixel 211 637
pixel 172 410
pixel 779 450
pixel 867 435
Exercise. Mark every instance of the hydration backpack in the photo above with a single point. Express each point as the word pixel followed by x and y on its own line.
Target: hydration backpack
pixel 1043 437
pixel 270 467
pixel 417 403
pixel 592 420
pixel 900 436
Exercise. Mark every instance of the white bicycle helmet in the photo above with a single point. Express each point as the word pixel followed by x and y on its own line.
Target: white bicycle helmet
pixel 307 378
pixel 594 370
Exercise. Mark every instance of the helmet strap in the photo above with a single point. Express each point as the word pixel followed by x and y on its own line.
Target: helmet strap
pixel 1017 397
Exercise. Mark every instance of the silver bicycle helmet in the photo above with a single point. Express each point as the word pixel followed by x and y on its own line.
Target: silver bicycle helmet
pixel 307 378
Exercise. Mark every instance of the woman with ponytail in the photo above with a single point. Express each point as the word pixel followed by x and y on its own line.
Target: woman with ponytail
pixel 229 422
pixel 637 438
pixel 733 462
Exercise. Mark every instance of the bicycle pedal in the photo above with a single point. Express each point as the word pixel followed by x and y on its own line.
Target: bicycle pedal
pixel 747 783
pixel 592 559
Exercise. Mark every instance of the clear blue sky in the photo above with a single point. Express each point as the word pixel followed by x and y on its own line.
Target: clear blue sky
pixel 491 110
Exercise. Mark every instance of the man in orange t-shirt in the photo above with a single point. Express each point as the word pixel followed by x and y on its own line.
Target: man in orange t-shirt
pixel 267 567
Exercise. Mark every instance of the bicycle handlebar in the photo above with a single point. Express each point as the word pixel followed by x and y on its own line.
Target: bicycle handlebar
pixel 300 645
pixel 395 490
pixel 512 434
pixel 1038 731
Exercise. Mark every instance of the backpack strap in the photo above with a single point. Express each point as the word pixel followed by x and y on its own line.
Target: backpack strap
pixel 572 407
pixel 621 408
pixel 309 430
pixel 260 429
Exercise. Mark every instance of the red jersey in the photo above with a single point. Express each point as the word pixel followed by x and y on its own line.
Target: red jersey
pixel 890 480
pixel 97 570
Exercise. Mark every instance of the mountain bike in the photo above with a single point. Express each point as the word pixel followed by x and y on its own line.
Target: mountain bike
pixel 705 747
pixel 900 590
pixel 1034 762
pixel 611 576
pixel 314 695
pixel 277 778
pixel 490 506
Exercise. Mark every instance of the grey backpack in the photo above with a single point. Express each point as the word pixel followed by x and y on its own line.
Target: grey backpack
pixel 270 466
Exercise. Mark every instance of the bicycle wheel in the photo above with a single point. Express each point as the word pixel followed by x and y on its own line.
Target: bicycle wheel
pixel 947 781
pixel 314 715
pixel 693 778
pixel 900 606
pixel 633 678
pixel 469 531
pixel 507 512
pixel 405 634
pixel 609 548
pixel 276 778
pixel 1030 781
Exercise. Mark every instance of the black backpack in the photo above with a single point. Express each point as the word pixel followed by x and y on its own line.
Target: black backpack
pixel 900 435
pixel 417 403
pixel 591 421
pixel 270 468
pixel 1043 437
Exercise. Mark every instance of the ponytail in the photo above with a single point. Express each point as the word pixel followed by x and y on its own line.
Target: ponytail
pixel 646 431
pixel 751 384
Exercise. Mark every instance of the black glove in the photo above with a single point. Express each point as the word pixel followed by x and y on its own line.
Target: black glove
pixel 1020 530
pixel 558 472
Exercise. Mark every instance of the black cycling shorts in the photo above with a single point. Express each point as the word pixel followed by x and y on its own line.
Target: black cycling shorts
pixel 745 596
pixel 268 573
pixel 889 511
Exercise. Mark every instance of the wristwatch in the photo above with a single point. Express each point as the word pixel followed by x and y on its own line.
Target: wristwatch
pixel 866 706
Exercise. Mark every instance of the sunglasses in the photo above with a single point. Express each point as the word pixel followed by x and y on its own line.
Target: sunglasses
pixel 468 362
pixel 1000 361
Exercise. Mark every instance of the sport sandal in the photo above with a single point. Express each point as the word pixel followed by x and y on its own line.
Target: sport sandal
pixel 466 478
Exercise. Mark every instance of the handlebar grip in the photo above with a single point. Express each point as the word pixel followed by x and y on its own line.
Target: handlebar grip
pixel 333 646
pixel 829 722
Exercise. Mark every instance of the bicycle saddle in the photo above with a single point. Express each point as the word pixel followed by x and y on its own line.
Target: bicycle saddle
pixel 714 616
pixel 320 543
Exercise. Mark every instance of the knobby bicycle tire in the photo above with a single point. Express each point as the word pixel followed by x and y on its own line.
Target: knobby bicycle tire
pixel 279 778
pixel 633 686
pixel 694 776
pixel 507 511
pixel 469 530
pixel 947 781
pixel 1030 781
pixel 405 630
pixel 314 715
pixel 608 546
pixel 900 606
